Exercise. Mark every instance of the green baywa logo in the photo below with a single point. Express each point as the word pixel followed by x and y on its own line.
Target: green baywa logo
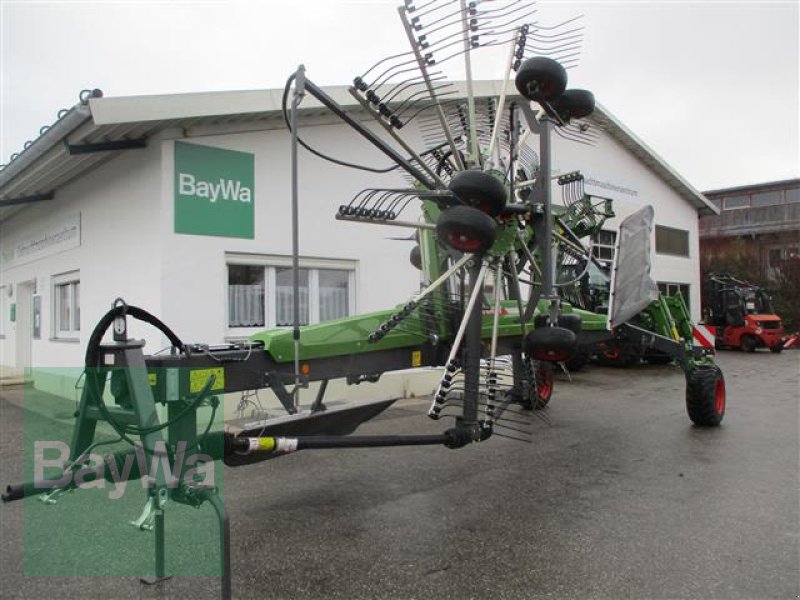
pixel 223 189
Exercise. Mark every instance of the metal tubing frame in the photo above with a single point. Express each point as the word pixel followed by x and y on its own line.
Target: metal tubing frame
pixel 396 136
pixel 297 98
pixel 428 84
pixel 368 135
pixel 472 349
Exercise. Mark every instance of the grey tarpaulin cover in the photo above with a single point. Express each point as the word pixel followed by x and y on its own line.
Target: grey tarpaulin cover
pixel 631 287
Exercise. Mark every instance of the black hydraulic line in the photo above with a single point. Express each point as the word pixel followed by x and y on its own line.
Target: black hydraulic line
pixel 334 107
pixel 93 345
pixel 363 441
pixel 92 358
pixel 282 444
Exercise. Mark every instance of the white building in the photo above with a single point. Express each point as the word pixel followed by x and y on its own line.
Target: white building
pixel 96 208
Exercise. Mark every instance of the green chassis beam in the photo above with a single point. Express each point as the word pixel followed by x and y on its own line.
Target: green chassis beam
pixel 349 335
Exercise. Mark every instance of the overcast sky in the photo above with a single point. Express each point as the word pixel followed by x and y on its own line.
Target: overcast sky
pixel 711 86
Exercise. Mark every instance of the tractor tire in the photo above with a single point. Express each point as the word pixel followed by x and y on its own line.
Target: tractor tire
pixel 747 343
pixel 777 349
pixel 705 395
pixel 479 190
pixel 541 79
pixel 466 229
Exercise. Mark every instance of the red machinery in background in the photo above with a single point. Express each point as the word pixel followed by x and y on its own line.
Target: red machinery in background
pixel 741 314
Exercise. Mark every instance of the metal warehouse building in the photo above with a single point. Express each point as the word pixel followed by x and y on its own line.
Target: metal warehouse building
pixel 180 204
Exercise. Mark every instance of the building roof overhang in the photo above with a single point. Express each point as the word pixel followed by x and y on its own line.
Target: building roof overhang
pixel 99 128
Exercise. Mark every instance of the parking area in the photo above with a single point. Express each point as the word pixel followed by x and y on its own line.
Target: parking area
pixel 616 496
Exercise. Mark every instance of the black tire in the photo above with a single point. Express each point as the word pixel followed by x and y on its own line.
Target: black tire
pixel 657 358
pixel 416 257
pixel 479 190
pixel 574 104
pixel 577 361
pixel 541 79
pixel 540 381
pixel 551 344
pixel 777 349
pixel 705 395
pixel 466 229
pixel 748 343
pixel 571 321
pixel 544 381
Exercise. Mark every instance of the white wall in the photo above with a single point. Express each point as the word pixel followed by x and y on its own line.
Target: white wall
pixel 118 255
pixel 195 274
pixel 610 162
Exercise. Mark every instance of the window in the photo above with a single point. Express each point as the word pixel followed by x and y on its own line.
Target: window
pixel 792 195
pixel 776 257
pixel 670 289
pixel 737 202
pixel 245 296
pixel 603 243
pixel 766 199
pixel 284 288
pixel 333 294
pixel 260 291
pixel 67 305
pixel 672 241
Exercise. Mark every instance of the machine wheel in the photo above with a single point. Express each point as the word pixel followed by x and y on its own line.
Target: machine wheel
pixel 416 257
pixel 748 343
pixel 705 395
pixel 541 79
pixel 544 384
pixel 479 190
pixel 574 104
pixel 540 385
pixel 577 362
pixel 466 229
pixel 776 349
pixel 552 344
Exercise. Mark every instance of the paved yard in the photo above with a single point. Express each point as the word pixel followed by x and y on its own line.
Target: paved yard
pixel 617 496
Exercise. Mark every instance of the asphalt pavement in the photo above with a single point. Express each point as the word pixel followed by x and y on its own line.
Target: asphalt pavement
pixel 617 495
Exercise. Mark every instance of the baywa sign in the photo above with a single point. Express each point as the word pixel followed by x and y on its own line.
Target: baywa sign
pixel 214 191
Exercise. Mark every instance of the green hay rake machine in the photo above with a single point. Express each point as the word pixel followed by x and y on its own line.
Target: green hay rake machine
pixel 497 259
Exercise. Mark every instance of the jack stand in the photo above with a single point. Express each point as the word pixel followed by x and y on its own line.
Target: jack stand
pixel 160 558
pixel 224 540
pixel 147 519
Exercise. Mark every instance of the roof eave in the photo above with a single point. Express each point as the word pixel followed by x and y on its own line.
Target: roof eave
pixel 618 129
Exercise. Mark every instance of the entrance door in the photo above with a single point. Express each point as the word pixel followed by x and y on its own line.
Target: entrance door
pixel 24 327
